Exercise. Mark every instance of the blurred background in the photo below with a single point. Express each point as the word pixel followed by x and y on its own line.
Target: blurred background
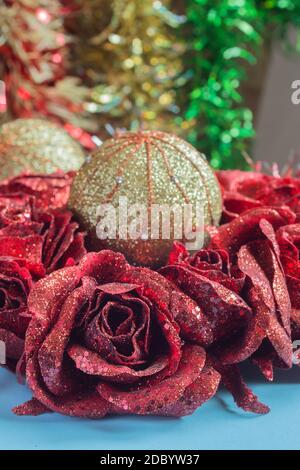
pixel 216 72
pixel 278 119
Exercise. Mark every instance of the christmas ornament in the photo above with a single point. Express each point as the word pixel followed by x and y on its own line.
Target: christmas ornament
pixel 152 169
pixel 37 146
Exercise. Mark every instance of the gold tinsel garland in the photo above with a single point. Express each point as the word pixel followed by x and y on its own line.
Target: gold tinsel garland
pixel 133 59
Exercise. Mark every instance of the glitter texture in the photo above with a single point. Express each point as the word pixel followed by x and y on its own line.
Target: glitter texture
pixel 148 168
pixel 37 146
pixel 35 227
pixel 104 339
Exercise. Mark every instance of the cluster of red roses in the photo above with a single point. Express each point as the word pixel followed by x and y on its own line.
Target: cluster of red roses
pixel 96 336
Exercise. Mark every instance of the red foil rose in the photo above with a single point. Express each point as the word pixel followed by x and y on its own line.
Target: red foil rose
pixel 106 337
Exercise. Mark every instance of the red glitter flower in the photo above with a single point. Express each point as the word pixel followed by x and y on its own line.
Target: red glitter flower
pixel 36 237
pixel 209 279
pixel 288 238
pixel 251 242
pixel 243 190
pixel 240 286
pixel 15 285
pixel 49 191
pixel 33 224
pixel 106 337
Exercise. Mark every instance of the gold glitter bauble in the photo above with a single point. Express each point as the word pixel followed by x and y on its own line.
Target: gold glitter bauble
pixel 37 146
pixel 148 168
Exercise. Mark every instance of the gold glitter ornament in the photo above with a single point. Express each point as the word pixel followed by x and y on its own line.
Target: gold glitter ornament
pixel 147 168
pixel 37 146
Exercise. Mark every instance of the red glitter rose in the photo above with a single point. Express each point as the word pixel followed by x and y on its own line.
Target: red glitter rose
pixel 209 279
pixel 15 285
pixel 251 242
pixel 49 191
pixel 240 286
pixel 33 224
pixel 288 238
pixel 243 190
pixel 106 337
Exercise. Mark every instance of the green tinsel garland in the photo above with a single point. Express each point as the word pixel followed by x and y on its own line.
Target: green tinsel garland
pixel 222 35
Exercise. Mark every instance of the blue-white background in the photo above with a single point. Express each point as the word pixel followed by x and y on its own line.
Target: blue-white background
pixel 217 425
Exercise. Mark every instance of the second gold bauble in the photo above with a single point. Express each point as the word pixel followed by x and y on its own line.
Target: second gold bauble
pixel 37 146
pixel 147 168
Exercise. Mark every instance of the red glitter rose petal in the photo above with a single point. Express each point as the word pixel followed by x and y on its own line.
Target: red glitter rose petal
pixel 178 253
pixel 275 271
pixel 246 182
pixel 28 249
pixel 50 191
pixel 49 292
pixel 58 236
pixel 221 307
pixel 88 405
pixel 265 365
pixel 248 342
pixel 159 292
pixel 84 405
pixel 51 354
pixel 14 346
pixel 152 284
pixel 115 288
pixel 75 251
pixel 288 238
pixel 194 325
pixel 294 290
pixel 235 384
pixel 91 363
pixel 105 266
pixel 249 265
pixel 246 228
pixel 236 204
pixel 152 399
pixel 281 342
pixel 200 391
pixel 31 407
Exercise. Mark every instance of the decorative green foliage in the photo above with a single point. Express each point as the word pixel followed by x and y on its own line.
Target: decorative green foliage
pixel 223 36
